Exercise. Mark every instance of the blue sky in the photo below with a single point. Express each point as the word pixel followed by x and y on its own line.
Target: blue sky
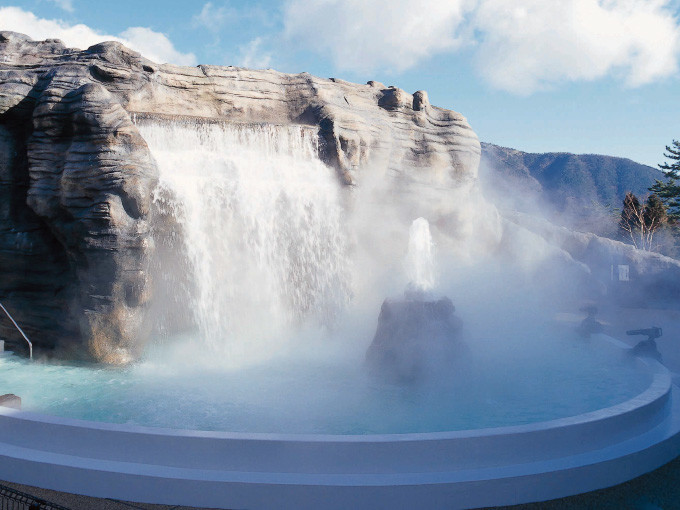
pixel 583 76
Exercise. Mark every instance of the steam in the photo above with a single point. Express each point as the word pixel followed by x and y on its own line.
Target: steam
pixel 269 279
pixel 515 191
pixel 262 252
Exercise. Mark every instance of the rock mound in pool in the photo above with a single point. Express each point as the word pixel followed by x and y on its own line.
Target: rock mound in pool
pixel 415 336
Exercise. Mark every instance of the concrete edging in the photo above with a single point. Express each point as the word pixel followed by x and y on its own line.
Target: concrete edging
pixel 461 469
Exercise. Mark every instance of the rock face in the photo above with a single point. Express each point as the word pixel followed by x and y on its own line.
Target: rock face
pixel 10 400
pixel 414 337
pixel 76 177
pixel 629 276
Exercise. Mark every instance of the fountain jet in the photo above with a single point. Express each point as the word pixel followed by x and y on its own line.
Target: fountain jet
pixel 420 257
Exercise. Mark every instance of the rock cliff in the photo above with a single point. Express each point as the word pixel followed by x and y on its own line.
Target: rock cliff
pixel 649 279
pixel 76 177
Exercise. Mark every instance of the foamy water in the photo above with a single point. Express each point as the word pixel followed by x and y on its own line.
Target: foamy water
pixel 261 227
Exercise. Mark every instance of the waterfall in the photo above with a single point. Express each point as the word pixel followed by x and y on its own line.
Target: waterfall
pixel 420 267
pixel 261 229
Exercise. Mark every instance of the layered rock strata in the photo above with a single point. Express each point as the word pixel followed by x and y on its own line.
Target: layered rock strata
pixel 76 177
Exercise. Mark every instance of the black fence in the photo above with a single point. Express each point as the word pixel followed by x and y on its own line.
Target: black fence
pixel 12 499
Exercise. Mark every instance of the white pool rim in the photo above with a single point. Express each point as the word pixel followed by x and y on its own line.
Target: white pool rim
pixel 459 469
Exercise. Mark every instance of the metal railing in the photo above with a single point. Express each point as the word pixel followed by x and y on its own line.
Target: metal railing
pixel 30 345
pixel 12 499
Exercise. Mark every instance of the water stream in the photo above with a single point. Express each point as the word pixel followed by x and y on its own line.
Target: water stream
pixel 260 226
pixel 420 262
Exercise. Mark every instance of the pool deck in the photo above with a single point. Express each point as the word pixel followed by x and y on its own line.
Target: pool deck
pixel 659 489
pixel 77 502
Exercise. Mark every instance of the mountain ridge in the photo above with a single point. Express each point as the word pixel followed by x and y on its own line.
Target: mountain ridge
pixel 563 181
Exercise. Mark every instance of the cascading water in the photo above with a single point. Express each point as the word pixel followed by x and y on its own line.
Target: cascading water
pixel 260 222
pixel 420 267
pixel 252 248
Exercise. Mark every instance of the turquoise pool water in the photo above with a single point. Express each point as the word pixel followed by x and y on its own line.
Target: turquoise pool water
pixel 493 386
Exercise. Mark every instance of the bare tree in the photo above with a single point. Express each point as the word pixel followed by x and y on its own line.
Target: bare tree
pixel 639 223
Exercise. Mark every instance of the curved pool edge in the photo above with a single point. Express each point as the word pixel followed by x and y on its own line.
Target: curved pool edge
pixel 466 469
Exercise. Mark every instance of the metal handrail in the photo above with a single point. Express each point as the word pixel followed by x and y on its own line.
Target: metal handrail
pixel 30 345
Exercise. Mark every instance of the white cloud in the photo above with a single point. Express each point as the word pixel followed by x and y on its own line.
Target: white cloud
pixel 253 57
pixel 211 17
pixel 67 5
pixel 153 45
pixel 214 18
pixel 380 34
pixel 519 45
pixel 528 45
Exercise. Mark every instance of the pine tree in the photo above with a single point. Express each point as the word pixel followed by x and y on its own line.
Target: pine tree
pixel 655 212
pixel 669 191
pixel 656 219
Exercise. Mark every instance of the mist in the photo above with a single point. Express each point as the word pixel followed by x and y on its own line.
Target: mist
pixel 276 287
pixel 270 275
pixel 263 235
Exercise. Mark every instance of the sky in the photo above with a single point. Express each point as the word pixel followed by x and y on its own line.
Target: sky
pixel 581 76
